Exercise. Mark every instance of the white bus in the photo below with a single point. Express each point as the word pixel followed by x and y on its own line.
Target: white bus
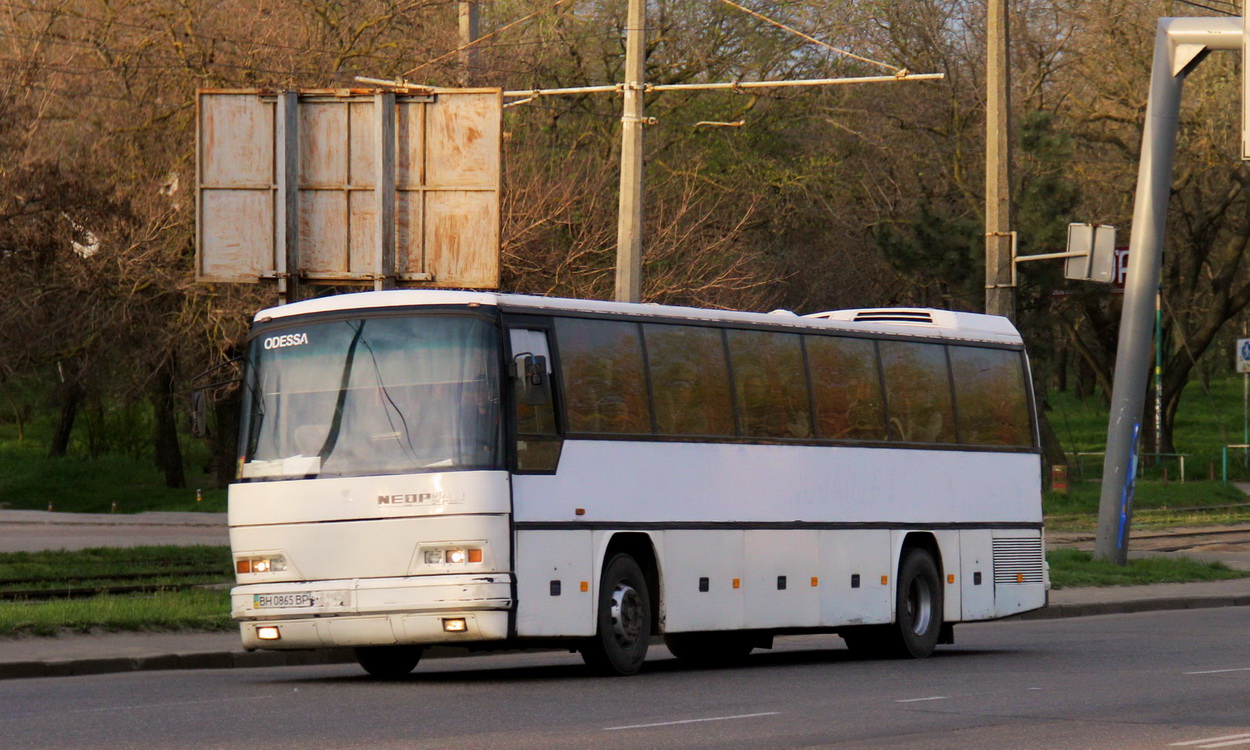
pixel 493 470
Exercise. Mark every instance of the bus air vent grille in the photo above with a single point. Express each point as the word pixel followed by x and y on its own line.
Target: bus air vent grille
pixel 894 316
pixel 1018 561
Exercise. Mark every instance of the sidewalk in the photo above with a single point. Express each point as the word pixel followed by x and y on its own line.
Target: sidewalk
pixel 34 530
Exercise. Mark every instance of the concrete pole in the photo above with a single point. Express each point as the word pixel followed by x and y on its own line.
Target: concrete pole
pixel 1180 44
pixel 1000 295
pixel 470 17
pixel 629 215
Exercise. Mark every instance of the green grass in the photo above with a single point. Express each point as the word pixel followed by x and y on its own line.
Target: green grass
pixel 201 609
pixel 61 567
pixel 1206 421
pixel 189 609
pixel 123 478
pixel 1155 505
pixel 1070 568
pixel 29 480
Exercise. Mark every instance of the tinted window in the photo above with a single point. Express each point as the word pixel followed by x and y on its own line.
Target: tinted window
pixel 689 380
pixel 918 394
pixel 992 398
pixel 846 387
pixel 538 444
pixel 604 382
pixel 770 384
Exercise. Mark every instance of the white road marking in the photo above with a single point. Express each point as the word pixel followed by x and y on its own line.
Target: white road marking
pixel 1209 742
pixel 958 695
pixel 921 700
pixel 1222 671
pixel 691 721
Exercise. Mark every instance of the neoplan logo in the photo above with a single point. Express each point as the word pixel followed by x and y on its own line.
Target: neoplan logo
pixel 422 498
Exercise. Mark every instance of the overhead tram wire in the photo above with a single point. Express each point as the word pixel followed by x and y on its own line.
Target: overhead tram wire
pixel 896 70
pixel 228 40
pixel 1233 8
pixel 480 39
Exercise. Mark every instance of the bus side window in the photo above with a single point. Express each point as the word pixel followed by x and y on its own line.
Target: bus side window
pixel 846 387
pixel 690 380
pixel 770 384
pixel 991 397
pixel 605 384
pixel 538 442
pixel 917 392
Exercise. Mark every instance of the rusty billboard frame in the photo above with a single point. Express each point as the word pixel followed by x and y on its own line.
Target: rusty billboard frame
pixel 313 186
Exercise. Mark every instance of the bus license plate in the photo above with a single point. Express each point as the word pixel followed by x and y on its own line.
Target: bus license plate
pixel 281 600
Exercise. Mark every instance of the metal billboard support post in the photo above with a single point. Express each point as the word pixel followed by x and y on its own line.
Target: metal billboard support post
pixel 286 224
pixel 1180 44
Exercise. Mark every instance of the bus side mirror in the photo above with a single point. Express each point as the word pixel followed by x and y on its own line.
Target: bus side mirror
pixel 531 376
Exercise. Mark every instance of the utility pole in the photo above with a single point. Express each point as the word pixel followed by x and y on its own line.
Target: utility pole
pixel 470 16
pixel 1000 295
pixel 629 221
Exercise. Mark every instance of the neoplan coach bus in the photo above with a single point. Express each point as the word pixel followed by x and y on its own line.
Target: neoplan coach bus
pixel 490 470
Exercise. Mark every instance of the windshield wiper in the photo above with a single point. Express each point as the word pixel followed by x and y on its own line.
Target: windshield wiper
pixel 336 423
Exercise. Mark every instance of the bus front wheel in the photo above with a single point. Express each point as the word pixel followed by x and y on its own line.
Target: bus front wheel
pixel 623 629
pixel 388 662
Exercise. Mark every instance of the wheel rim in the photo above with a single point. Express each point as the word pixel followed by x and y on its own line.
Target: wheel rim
pixel 627 614
pixel 919 606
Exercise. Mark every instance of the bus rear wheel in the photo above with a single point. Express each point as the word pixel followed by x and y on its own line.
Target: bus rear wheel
pixel 388 662
pixel 918 607
pixel 917 624
pixel 623 630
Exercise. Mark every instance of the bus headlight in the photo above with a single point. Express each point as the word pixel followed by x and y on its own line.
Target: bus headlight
pixel 452 556
pixel 268 564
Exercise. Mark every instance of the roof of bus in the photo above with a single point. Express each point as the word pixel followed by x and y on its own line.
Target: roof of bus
pixel 899 321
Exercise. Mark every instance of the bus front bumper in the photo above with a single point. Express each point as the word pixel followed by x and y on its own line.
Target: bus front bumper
pixel 444 609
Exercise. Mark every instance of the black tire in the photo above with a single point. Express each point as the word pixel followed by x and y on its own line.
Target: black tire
pixel 710 649
pixel 918 607
pixel 388 662
pixel 917 622
pixel 623 631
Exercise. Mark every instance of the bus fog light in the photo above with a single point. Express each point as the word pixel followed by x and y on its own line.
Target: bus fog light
pixel 457 556
pixel 433 556
pixel 454 625
pixel 268 633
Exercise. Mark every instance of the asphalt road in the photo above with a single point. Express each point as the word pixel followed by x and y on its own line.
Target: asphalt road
pixel 1150 680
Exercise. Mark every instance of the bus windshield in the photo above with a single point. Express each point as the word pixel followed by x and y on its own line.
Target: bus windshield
pixel 372 395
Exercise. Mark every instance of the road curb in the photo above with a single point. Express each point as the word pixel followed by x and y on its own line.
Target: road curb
pixel 1092 609
pixel 199 660
pixel 255 659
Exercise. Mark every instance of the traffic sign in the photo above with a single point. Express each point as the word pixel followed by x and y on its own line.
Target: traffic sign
pixel 1243 355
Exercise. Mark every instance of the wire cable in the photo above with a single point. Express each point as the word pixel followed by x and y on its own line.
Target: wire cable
pixel 895 70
